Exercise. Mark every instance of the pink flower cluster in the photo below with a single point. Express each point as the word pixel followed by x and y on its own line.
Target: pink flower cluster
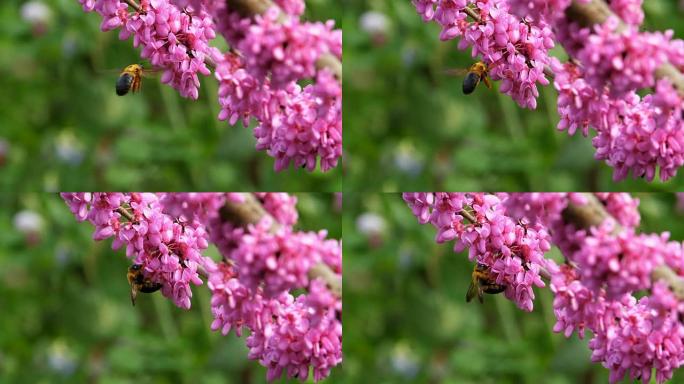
pixel 610 63
pixel 641 135
pixel 280 259
pixel 286 50
pixel 613 61
pixel 514 50
pixel 546 10
pixel 170 252
pixel 605 266
pixel 251 288
pixel 319 341
pixel 282 206
pixel 622 263
pixel 258 77
pixel 630 336
pixel 622 61
pixel 171 39
pixel 296 125
pixel 636 336
pixel 514 252
pixel 266 260
pixel 305 125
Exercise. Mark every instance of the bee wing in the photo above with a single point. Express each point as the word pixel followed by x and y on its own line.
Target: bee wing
pixel 455 71
pixel 152 71
pixel 472 291
pixel 107 71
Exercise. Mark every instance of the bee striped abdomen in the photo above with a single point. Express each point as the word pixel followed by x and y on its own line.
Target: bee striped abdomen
pixel 483 281
pixel 149 287
pixel 139 283
pixel 123 84
pixel 491 288
pixel 471 81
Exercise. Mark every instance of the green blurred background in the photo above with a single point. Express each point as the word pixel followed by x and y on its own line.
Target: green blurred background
pixel 66 314
pixel 62 126
pixel 418 130
pixel 406 319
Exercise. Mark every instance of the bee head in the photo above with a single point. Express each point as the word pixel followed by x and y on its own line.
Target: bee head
pixel 135 267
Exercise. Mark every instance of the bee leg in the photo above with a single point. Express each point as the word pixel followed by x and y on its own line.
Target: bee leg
pixel 479 295
pixel 134 294
pixel 136 84
pixel 486 81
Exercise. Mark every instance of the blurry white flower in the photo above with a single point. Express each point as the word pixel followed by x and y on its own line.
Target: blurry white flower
pixel 370 224
pixel 61 359
pixel 36 12
pixel 68 148
pixel 373 23
pixel 28 222
pixel 406 160
pixel 404 361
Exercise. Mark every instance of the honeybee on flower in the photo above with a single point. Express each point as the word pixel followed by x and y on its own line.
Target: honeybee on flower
pixel 483 282
pixel 139 283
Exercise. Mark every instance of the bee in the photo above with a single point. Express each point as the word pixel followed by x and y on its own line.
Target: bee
pixel 483 282
pixel 130 78
pixel 139 283
pixel 476 73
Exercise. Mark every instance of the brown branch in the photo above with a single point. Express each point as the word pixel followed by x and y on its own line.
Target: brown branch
pixel 593 213
pixel 133 4
pixel 247 8
pixel 258 7
pixel 250 211
pixel 123 212
pixel 468 216
pixel 593 12
pixel 470 12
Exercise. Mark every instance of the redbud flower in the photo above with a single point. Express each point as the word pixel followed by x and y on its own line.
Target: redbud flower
pixel 514 50
pixel 169 252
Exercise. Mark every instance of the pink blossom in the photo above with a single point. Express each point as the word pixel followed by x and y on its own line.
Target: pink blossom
pixel 282 206
pixel 251 288
pixel 270 53
pixel 318 343
pixel 286 50
pixel 605 265
pixel 169 252
pixel 514 50
pixel 513 251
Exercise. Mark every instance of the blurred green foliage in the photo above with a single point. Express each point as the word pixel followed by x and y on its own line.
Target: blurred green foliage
pixel 66 315
pixel 406 319
pixel 64 128
pixel 405 116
